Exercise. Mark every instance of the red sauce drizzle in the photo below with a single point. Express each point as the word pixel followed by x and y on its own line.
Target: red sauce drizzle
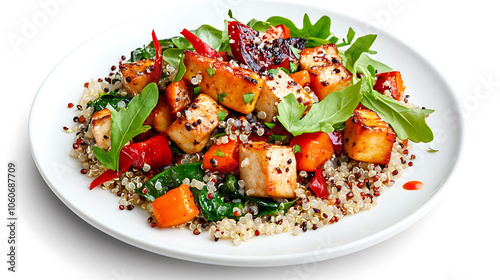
pixel 413 185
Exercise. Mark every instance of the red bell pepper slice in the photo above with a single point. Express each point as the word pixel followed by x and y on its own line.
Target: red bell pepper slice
pixel 154 151
pixel 318 185
pixel 337 140
pixel 156 74
pixel 198 44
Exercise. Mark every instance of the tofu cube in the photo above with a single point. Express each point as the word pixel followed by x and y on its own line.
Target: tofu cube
pixel 100 124
pixel 318 56
pixel 328 78
pixel 268 170
pixel 191 131
pixel 136 75
pixel 367 137
pixel 275 88
pixel 234 87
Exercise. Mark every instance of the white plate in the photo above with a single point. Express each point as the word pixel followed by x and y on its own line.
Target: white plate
pixel 397 208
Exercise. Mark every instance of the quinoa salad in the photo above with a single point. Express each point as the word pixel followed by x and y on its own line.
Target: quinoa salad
pixel 253 129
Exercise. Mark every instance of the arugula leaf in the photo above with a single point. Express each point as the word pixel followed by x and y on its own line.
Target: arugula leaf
pixel 175 58
pixel 360 46
pixel 326 115
pixel 126 124
pixel 348 40
pixel 407 123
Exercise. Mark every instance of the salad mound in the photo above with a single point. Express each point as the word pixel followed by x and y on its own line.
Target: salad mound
pixel 260 128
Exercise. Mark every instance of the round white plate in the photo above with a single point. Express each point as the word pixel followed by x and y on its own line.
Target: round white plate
pixel 396 210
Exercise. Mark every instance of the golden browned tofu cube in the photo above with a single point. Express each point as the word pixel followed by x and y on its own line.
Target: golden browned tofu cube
pixel 268 170
pixel 329 78
pixel 234 87
pixel 318 56
pixel 101 128
pixel 275 88
pixel 367 137
pixel 136 75
pixel 191 131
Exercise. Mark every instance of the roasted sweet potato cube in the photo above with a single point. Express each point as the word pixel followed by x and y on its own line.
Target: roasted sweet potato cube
pixel 329 78
pixel 179 95
pixel 191 131
pixel 390 84
pixel 318 56
pixel 367 137
pixel 136 75
pixel 234 87
pixel 268 170
pixel 275 88
pixel 161 116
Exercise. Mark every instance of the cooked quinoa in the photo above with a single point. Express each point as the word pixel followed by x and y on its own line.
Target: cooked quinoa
pixel 353 186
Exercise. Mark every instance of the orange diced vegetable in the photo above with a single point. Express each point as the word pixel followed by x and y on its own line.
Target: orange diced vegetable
pixel 302 78
pixel 179 95
pixel 392 82
pixel 275 32
pixel 223 157
pixel 315 149
pixel 175 207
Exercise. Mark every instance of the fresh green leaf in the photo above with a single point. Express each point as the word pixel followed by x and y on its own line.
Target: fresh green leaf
pixel 278 138
pixel 326 115
pixel 222 115
pixel 220 96
pixel 295 52
pixel 360 46
pixel 196 91
pixel 210 35
pixel 210 71
pixel 408 123
pixel 248 97
pixel 293 67
pixel 110 98
pixel 259 26
pixel 175 58
pixel 297 149
pixel 273 71
pixel 431 150
pixel 348 40
pixel 126 124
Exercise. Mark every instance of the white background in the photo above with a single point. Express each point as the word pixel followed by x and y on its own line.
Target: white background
pixel 457 240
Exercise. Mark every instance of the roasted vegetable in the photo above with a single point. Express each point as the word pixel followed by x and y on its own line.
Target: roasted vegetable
pixel 179 95
pixel 367 137
pixel 301 77
pixel 315 149
pixel 175 207
pixel 222 157
pixel 391 82
pixel 154 151
pixel 260 56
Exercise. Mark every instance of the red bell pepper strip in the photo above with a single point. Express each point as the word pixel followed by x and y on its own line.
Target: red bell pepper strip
pixel 318 185
pixel 154 151
pixel 156 74
pixel 127 158
pixel 199 46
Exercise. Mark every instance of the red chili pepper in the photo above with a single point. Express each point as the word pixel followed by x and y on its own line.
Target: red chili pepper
pixel 199 46
pixel 318 185
pixel 156 74
pixel 109 174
